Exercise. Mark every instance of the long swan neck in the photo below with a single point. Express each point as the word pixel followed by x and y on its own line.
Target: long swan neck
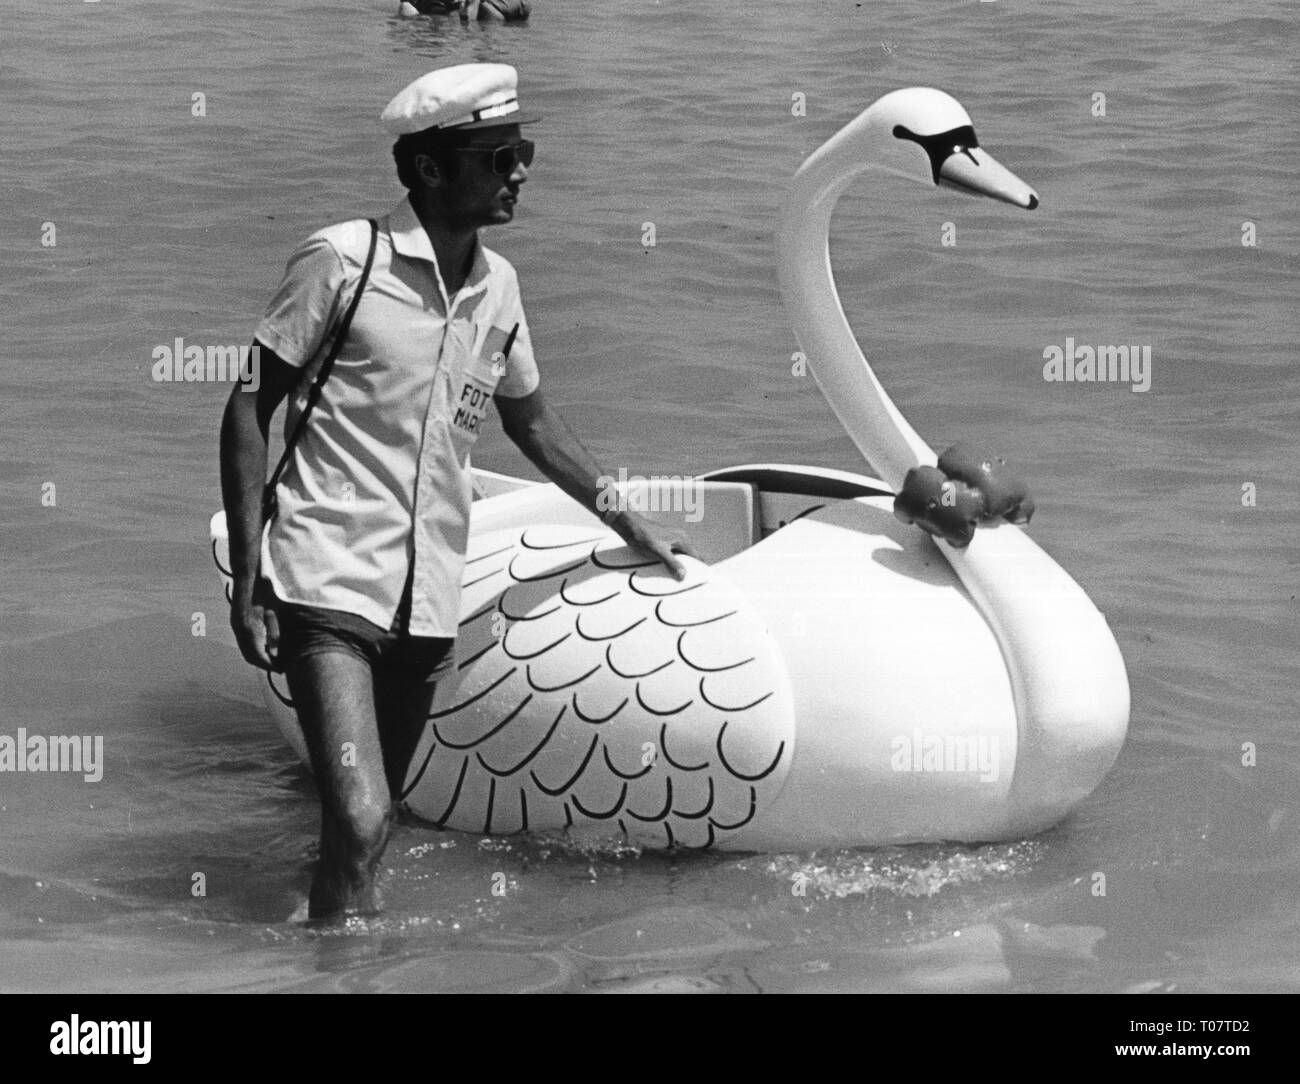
pixel 866 412
pixel 1066 673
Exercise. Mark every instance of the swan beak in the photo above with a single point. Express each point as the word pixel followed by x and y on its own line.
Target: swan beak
pixel 976 171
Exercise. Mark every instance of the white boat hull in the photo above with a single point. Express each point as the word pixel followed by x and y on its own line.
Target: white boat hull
pixel 827 680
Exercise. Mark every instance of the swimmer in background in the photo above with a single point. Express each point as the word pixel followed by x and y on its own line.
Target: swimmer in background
pixel 504 11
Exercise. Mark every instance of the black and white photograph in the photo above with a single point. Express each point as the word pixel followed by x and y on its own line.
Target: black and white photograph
pixel 546 496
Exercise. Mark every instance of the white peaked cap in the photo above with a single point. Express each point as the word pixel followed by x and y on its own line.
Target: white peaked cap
pixel 464 96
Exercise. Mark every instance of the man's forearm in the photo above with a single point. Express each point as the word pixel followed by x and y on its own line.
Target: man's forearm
pixel 543 436
pixel 243 475
pixel 558 453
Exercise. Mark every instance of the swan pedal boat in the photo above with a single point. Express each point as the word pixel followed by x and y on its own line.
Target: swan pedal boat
pixel 826 675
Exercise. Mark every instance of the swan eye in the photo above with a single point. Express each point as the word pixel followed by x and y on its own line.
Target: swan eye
pixel 941 145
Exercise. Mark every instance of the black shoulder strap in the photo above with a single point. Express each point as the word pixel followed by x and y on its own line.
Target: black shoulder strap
pixel 313 395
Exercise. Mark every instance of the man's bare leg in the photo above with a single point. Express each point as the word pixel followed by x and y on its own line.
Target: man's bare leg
pixel 402 708
pixel 334 694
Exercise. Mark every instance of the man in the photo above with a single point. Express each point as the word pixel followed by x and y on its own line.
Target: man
pixel 506 11
pixel 357 593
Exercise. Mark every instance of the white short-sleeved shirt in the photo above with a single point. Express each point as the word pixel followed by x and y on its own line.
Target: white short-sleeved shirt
pixel 381 475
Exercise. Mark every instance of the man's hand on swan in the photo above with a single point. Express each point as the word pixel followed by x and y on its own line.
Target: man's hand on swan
pixel 642 535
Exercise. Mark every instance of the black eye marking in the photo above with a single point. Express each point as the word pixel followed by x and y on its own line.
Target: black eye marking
pixel 942 146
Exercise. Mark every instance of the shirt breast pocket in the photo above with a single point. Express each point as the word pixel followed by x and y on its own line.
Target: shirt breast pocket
pixel 472 394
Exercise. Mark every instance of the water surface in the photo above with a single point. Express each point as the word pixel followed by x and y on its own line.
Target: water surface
pixel 672 359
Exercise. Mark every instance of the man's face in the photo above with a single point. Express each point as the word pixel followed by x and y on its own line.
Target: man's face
pixel 478 196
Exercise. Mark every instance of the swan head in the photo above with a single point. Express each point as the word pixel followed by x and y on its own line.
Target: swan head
pixel 926 136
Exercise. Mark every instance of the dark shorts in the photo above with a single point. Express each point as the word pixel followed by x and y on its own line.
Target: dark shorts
pixel 310 630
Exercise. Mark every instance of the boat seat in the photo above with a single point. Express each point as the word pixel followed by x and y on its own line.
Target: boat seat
pixel 720 518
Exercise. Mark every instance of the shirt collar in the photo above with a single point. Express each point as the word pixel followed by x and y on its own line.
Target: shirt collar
pixel 411 240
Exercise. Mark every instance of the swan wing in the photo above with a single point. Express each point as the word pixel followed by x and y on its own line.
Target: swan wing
pixel 597 694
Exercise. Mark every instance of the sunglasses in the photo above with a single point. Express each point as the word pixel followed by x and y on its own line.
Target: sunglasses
pixel 506 156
